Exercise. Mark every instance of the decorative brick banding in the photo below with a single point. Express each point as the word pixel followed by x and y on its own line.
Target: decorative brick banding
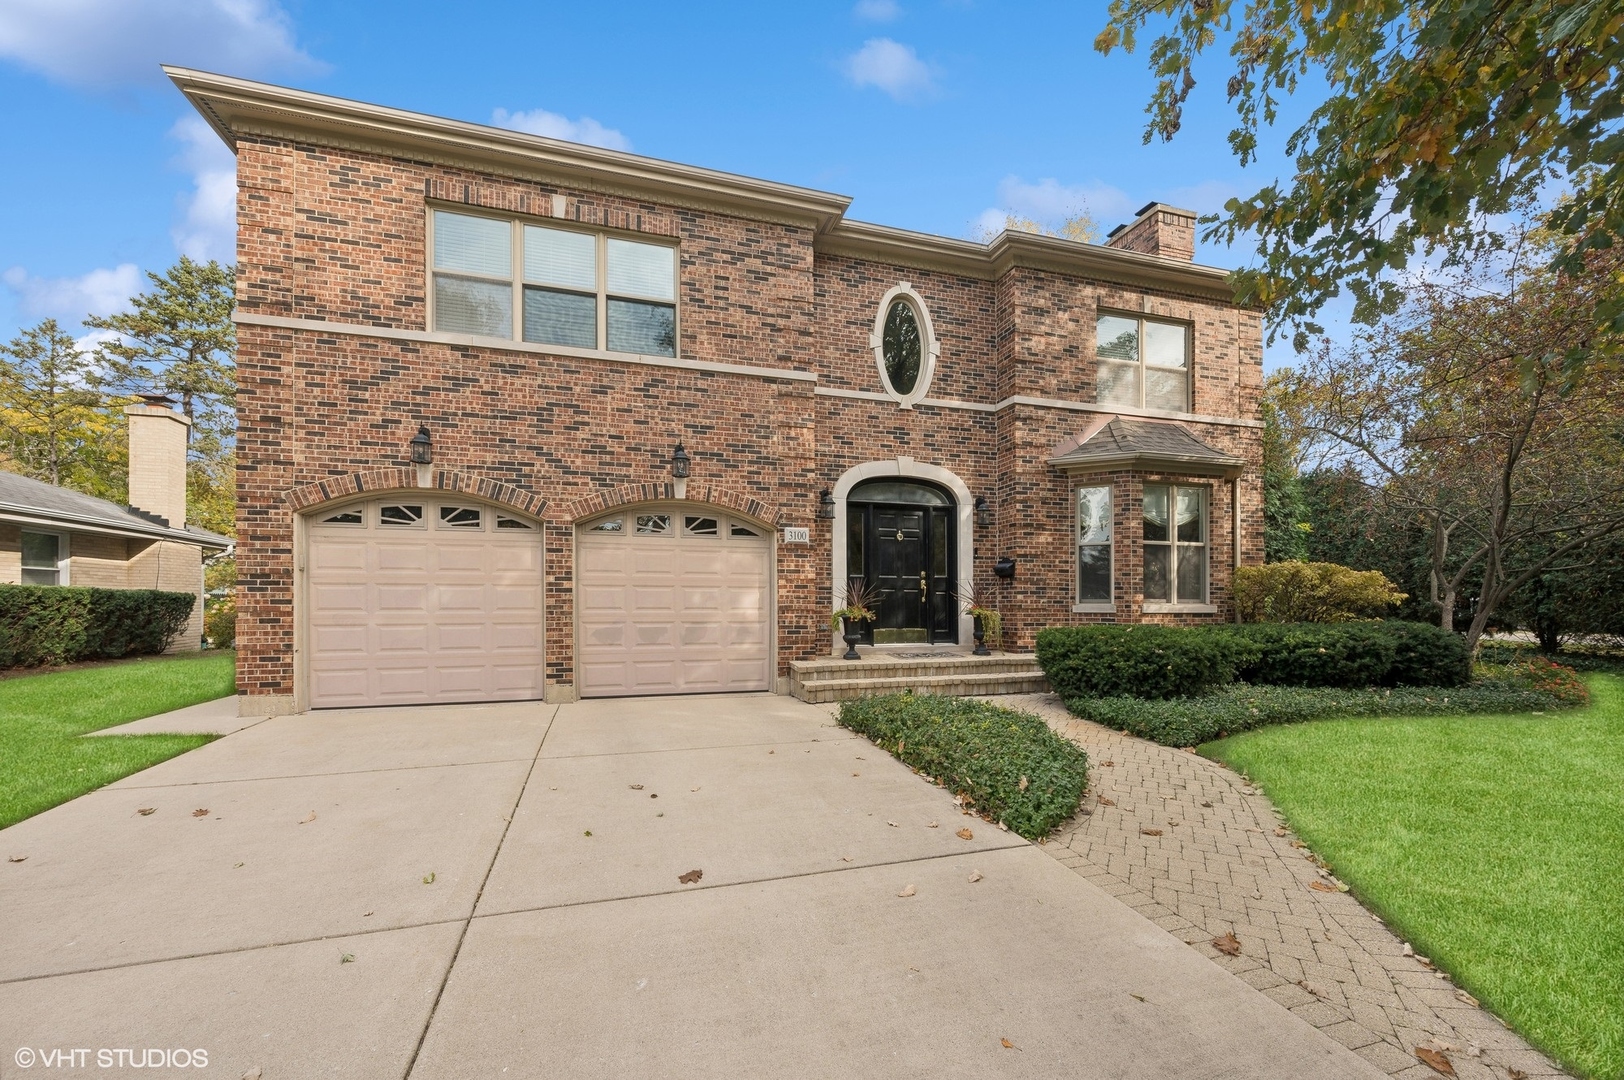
pixel 335 488
pixel 697 491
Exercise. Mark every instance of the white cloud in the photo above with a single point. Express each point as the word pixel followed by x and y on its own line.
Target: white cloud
pixel 1049 202
pixel 878 10
pixel 207 228
pixel 69 299
pixel 892 67
pixel 553 126
pixel 107 43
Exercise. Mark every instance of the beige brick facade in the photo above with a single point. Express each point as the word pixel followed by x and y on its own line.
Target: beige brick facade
pixel 774 391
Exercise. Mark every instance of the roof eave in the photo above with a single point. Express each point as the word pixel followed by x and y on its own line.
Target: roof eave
pixel 49 519
pixel 1223 466
pixel 233 107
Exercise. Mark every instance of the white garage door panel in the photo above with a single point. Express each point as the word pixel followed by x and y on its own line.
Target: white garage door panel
pixel 422 614
pixel 673 613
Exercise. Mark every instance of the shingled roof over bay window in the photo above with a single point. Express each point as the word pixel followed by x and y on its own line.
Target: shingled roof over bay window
pixel 1161 446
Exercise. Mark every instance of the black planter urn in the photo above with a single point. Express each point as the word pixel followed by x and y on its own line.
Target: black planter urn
pixel 851 635
pixel 981 639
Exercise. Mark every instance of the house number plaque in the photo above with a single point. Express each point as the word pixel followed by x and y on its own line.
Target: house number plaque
pixel 797 536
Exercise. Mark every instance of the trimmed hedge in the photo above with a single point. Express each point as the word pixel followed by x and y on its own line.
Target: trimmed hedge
pixel 1239 707
pixel 51 624
pixel 1160 662
pixel 1138 661
pixel 1006 765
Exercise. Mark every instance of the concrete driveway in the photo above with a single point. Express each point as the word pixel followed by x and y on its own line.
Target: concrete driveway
pixel 494 891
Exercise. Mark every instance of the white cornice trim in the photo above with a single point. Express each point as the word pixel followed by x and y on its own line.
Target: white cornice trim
pixel 52 519
pixel 241 106
pixel 392 333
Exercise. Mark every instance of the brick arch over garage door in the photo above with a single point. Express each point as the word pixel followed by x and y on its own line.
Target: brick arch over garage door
pixel 305 496
pixel 697 491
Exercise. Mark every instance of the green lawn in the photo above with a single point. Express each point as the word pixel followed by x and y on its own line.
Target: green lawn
pixel 1494 843
pixel 43 762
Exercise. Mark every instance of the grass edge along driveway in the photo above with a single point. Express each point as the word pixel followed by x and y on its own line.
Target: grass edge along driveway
pixel 1494 844
pixel 44 763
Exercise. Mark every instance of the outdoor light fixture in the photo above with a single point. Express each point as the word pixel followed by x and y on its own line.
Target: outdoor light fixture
pixel 422 447
pixel 983 511
pixel 826 506
pixel 679 464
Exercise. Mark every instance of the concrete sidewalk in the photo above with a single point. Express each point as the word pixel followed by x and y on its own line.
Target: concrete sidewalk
pixel 217 717
pixel 495 891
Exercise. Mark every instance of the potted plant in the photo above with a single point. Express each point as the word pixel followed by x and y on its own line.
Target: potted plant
pixel 988 623
pixel 857 606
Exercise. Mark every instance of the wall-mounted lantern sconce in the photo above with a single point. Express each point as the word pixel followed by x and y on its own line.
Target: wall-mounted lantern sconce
pixel 1004 568
pixel 983 511
pixel 826 506
pixel 422 447
pixel 679 463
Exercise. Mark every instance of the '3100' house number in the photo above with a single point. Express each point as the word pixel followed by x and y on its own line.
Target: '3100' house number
pixel 797 536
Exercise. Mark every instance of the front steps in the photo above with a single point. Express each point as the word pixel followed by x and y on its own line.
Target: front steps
pixel 880 672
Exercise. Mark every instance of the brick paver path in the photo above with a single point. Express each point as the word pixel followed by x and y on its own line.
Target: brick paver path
pixel 1195 849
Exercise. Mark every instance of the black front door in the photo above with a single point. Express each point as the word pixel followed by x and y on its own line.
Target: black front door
pixel 904 553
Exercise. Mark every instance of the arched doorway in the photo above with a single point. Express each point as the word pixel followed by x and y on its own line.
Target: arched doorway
pixel 901 542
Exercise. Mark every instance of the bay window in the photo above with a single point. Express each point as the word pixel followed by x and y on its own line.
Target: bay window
pixel 570 287
pixel 1143 363
pixel 1175 544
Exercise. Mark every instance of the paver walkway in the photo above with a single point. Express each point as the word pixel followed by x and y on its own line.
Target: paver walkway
pixel 1190 845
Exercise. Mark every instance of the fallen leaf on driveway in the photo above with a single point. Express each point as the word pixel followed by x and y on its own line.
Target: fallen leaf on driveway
pixel 1149 832
pixel 1175 824
pixel 907 891
pixel 1229 944
pixel 965 834
pixel 1279 830
pixel 1139 997
pixel 892 824
pixel 975 876
pixel 1206 802
pixel 1298 844
pixel 845 858
pixel 933 825
pixel 252 1074
pixel 346 958
pixel 635 787
pixel 1107 764
pixel 1007 1045
pixel 309 819
pixel 690 877
pixel 1440 1063
pixel 857 774
pixel 1516 1074
pixel 428 878
pixel 1304 984
pixel 17 858
pixel 654 795
pixel 1320 886
pixel 693 789
pixel 1467 998
pixel 203 812
pixel 147 811
pixel 1107 802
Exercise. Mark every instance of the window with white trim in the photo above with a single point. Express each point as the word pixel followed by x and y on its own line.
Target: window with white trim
pixel 1143 363
pixel 43 555
pixel 1094 544
pixel 570 287
pixel 1175 544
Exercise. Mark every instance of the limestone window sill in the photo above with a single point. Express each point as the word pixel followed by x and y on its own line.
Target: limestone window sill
pixel 1156 608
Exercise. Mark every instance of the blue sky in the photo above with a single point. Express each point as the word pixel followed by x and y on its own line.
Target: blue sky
pixel 932 115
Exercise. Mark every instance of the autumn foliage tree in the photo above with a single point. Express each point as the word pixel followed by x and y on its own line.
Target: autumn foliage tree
pixel 1460 414
pixel 54 423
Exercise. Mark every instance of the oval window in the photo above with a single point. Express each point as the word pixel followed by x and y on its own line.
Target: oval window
pixel 902 347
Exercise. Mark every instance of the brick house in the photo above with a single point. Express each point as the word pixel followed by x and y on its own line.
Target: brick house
pixel 57 536
pixel 475 365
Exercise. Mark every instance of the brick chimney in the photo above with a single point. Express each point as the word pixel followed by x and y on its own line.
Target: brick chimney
pixel 1157 229
pixel 158 459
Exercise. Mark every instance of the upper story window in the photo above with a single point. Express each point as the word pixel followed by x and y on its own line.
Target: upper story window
pixel 587 290
pixel 905 345
pixel 1143 363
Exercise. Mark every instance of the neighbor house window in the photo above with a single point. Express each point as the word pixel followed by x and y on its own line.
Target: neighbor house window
pixel 1143 363
pixel 1175 544
pixel 570 287
pixel 1094 545
pixel 42 559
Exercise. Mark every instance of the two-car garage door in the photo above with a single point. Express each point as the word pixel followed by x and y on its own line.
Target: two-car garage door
pixel 412 600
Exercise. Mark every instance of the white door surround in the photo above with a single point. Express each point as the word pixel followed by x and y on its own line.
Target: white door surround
pixel 964 520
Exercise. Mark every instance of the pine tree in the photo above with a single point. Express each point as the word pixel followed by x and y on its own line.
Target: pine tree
pixel 54 422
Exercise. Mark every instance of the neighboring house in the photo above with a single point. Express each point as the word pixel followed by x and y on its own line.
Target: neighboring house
pixel 56 536
pixel 560 332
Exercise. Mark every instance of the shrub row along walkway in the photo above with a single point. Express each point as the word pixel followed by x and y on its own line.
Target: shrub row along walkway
pixel 1189 845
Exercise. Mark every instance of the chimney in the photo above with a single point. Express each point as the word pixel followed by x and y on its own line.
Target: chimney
pixel 158 459
pixel 1157 229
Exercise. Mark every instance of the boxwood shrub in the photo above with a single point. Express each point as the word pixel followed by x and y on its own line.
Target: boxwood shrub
pixel 1240 707
pixel 1138 661
pixel 1347 655
pixel 1008 765
pixel 52 624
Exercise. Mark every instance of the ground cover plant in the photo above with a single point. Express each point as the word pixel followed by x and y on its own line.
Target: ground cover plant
pixel 44 762
pixel 1007 765
pixel 1489 842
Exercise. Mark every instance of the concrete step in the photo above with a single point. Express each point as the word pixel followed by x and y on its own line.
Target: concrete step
pixel 952 685
pixel 884 666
